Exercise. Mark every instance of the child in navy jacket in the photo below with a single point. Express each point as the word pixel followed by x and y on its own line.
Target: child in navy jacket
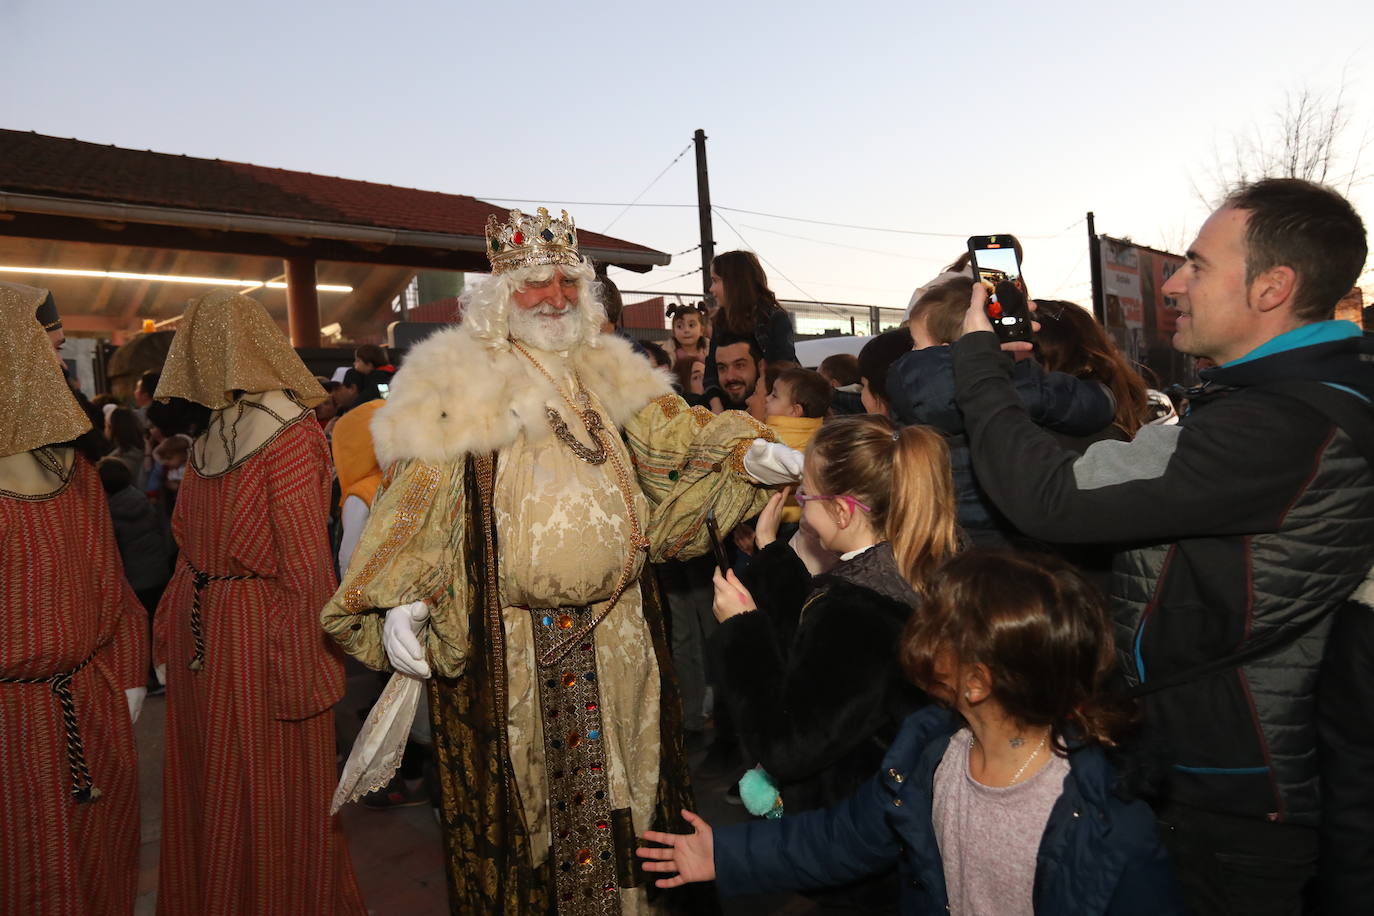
pixel 1001 802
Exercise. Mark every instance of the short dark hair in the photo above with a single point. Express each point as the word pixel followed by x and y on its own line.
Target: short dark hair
pixel 149 381
pixel 352 378
pixel 879 354
pixel 178 415
pixel 372 354
pixel 1039 627
pixel 842 367
pixel 114 474
pixel 611 301
pixel 1309 228
pixel 657 355
pixel 809 389
pixel 729 339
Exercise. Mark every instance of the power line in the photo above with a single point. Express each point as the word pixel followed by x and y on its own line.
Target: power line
pixel 574 203
pixel 822 222
pixel 694 270
pixel 795 219
pixel 890 254
pixel 1071 272
pixel 675 161
pixel 777 270
pixel 942 235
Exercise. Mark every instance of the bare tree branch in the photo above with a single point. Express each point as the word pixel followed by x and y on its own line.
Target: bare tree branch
pixel 1308 137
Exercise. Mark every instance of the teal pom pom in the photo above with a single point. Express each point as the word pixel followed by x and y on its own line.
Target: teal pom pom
pixel 759 795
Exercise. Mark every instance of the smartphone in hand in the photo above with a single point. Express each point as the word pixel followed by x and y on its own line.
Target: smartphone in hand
pixel 998 267
pixel 722 559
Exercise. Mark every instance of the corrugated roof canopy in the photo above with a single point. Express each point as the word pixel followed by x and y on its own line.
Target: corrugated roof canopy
pixel 44 175
pixel 79 206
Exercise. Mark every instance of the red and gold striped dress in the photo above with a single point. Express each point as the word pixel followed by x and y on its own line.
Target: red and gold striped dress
pixel 63 600
pixel 250 736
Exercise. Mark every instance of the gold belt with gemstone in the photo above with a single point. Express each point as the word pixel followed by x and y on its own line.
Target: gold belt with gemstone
pixel 592 845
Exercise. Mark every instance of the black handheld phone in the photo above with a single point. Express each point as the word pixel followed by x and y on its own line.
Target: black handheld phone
pixel 998 267
pixel 717 545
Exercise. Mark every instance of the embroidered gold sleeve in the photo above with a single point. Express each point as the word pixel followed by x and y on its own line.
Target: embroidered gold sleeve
pixel 689 460
pixel 410 550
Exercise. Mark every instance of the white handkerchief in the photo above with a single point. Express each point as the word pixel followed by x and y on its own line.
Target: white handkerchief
pixel 377 753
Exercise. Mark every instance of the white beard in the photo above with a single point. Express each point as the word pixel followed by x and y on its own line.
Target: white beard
pixel 538 328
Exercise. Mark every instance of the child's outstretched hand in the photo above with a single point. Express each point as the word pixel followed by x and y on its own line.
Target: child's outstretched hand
pixel 766 529
pixel 731 596
pixel 691 855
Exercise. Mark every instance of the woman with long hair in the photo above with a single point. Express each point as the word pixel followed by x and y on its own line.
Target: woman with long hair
pixel 1071 341
pixel 747 309
pixel 812 679
pixel 997 799
pixel 126 437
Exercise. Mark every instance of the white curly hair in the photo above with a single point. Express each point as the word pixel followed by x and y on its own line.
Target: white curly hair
pixel 486 305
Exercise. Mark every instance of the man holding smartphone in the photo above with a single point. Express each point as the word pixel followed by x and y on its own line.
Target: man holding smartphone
pixel 1245 532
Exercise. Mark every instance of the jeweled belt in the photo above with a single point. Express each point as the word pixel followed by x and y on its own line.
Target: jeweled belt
pixel 592 845
pixel 199 580
pixel 83 789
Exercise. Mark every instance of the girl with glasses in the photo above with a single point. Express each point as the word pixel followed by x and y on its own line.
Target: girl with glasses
pixel 809 666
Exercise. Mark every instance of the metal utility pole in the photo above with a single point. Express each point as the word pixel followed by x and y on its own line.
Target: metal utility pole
pixel 1095 271
pixel 708 244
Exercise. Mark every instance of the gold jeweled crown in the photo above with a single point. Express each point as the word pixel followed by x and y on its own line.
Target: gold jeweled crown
pixel 531 241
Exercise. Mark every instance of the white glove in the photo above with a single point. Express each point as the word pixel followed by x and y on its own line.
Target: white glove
pixel 772 463
pixel 400 636
pixel 135 696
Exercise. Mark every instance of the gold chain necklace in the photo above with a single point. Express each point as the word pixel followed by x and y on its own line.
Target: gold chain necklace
pixel 638 541
pixel 1017 775
pixel 591 420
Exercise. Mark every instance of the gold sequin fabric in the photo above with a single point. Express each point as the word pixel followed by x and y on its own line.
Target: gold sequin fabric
pixel 226 342
pixel 36 406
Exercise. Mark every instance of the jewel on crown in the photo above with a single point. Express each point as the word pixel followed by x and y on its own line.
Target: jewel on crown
pixel 531 241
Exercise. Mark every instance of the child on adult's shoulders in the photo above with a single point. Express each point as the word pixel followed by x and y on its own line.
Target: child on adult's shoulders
pixel 796 405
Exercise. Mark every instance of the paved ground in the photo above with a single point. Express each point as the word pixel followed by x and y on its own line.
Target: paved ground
pixel 396 853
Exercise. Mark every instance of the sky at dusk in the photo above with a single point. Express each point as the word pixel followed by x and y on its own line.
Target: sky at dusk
pixel 931 122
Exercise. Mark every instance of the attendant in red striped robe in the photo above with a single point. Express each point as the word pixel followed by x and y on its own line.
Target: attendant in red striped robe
pixel 72 642
pixel 250 677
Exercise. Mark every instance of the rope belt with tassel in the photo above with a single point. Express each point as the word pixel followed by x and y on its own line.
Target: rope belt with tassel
pixel 83 789
pixel 199 580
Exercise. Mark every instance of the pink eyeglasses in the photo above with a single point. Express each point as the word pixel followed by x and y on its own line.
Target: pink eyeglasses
pixel 803 499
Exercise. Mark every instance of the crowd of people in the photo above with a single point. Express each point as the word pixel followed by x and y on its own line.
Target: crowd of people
pixel 971 626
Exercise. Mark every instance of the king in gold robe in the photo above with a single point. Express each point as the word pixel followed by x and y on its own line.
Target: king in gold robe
pixel 525 529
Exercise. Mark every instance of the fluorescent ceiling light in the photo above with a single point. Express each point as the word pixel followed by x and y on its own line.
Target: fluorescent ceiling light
pixel 165 278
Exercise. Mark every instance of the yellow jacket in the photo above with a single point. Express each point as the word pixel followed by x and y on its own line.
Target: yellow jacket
pixel 354 457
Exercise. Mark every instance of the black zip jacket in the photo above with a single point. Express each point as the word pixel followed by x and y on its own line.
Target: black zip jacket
pixel 1252 517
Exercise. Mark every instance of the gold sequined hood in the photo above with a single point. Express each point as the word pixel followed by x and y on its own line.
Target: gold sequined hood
pixel 225 343
pixel 36 406
pixel 457 395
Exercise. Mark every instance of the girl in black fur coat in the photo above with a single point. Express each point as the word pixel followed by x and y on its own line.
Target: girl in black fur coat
pixel 809 666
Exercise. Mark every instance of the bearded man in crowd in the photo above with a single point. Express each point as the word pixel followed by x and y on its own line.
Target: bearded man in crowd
pixel 533 465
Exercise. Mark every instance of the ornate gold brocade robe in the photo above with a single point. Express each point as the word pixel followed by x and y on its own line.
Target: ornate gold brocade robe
pixel 482 540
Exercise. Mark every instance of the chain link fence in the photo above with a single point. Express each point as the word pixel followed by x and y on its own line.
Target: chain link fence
pixel 645 315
